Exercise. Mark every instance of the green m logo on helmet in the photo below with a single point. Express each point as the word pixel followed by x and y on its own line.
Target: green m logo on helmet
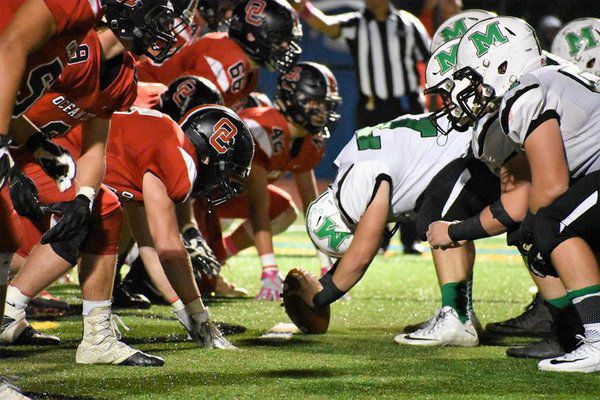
pixel 447 60
pixel 483 41
pixel 456 31
pixel 327 231
pixel 576 41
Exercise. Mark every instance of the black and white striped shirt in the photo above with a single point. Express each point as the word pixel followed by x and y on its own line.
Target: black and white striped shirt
pixel 386 53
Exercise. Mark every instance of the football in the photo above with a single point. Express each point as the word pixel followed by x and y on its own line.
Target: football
pixel 308 319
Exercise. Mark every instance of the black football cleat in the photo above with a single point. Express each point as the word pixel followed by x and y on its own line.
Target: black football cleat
pixel 21 333
pixel 535 321
pixel 122 298
pixel 546 348
pixel 141 359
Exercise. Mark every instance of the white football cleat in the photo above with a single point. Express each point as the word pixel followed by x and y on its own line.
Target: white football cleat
pixel 207 335
pixel 586 358
pixel 10 392
pixel 18 331
pixel 101 345
pixel 445 330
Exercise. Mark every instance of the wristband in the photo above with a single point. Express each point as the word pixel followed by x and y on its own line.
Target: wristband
pixel 88 192
pixel 307 11
pixel 330 292
pixel 268 260
pixel 469 229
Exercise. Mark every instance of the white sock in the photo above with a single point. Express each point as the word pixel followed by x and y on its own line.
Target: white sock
pixel 182 314
pixel 16 303
pixel 89 305
pixel 196 310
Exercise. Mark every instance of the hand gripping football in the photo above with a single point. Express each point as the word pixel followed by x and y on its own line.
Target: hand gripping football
pixel 299 287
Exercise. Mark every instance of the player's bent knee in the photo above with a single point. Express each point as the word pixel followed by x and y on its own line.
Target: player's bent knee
pixel 547 232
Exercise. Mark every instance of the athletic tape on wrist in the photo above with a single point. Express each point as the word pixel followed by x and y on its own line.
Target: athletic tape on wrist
pixel 469 229
pixel 499 213
pixel 330 292
pixel 88 192
pixel 268 260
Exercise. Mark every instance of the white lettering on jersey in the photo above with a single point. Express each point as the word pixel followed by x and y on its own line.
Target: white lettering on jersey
pixel 261 136
pixel 95 5
pixel 191 168
pixel 217 69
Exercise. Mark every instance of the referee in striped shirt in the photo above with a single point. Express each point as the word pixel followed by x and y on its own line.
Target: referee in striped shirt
pixel 386 45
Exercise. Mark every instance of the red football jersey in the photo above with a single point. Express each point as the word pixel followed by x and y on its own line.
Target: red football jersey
pixel 276 150
pixel 143 141
pixel 148 94
pixel 73 18
pixel 215 57
pixel 78 95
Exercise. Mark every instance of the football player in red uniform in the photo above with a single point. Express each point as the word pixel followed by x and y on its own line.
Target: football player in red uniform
pixel 289 138
pixel 88 91
pixel 209 156
pixel 261 33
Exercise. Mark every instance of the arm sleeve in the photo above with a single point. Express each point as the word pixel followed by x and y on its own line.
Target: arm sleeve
pixel 356 185
pixel 523 109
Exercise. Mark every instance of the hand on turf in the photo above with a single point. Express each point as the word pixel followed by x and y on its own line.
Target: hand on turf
pixel 24 195
pixel 201 255
pixel 74 223
pixel 438 238
pixel 54 160
pixel 272 285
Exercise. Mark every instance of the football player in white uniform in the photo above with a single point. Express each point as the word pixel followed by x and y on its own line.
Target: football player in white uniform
pixel 553 113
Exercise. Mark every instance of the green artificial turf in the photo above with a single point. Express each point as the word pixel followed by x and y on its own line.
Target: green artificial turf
pixel 356 359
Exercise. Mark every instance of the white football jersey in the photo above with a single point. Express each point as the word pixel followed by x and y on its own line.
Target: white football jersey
pixel 562 92
pixel 407 152
pixel 491 145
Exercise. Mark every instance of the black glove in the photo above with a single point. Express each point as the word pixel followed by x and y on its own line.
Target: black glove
pixel 202 257
pixel 74 223
pixel 54 160
pixel 24 195
pixel 6 161
pixel 537 264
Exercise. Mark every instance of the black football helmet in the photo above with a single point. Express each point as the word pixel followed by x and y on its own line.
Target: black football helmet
pixel 309 96
pixel 214 12
pixel 268 31
pixel 186 93
pixel 144 26
pixel 255 99
pixel 225 149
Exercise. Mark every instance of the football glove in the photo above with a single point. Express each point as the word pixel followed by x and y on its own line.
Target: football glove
pixel 24 195
pixel 202 257
pixel 54 160
pixel 74 223
pixel 537 264
pixel 6 161
pixel 272 285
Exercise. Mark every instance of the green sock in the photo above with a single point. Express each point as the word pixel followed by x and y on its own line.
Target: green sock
pixel 582 292
pixel 560 302
pixel 454 294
